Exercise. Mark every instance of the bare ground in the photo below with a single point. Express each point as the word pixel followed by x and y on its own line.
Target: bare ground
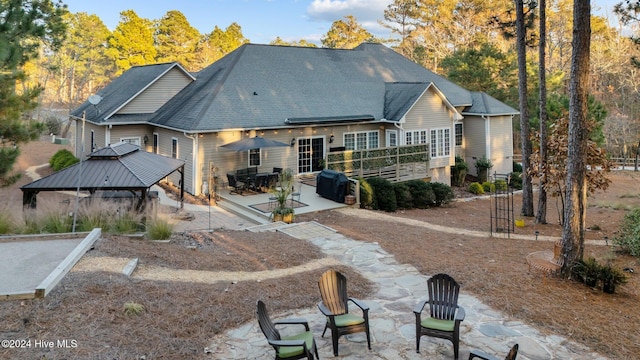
pixel 179 319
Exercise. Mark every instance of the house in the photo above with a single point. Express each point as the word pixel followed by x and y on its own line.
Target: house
pixel 317 99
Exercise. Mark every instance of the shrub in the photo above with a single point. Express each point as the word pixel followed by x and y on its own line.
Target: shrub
pixel 384 197
pixel 517 167
pixel 629 235
pixel 476 188
pixel 488 186
pixel 7 222
pixel 95 213
pixel 366 194
pixel 421 193
pixel 159 229
pixel 57 223
pixel 501 185
pixel 62 159
pixel 403 195
pixel 516 180
pixel 443 192
pixel 127 223
pixel 132 308
pixel 459 172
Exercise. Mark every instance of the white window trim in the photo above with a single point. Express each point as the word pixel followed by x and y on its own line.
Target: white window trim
pixel 135 140
pixel 355 134
pixel 174 139
pixel 462 134
pixel 446 151
pixel 388 134
pixel 259 158
pixel 414 133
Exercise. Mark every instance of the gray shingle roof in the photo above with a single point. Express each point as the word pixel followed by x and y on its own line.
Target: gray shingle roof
pixel 121 90
pixel 484 104
pixel 260 86
pixel 116 167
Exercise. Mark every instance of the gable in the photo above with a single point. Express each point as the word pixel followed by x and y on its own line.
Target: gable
pixel 158 93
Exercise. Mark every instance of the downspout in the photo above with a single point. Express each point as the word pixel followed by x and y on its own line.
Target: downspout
pixel 487 137
pixel 194 156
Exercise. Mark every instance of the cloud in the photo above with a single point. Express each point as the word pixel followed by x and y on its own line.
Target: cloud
pixel 365 11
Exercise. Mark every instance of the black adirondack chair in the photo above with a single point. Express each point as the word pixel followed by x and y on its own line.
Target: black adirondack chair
pixel 445 314
pixel 298 346
pixel 482 355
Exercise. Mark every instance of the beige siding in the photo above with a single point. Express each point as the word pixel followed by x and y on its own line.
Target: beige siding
pixel 442 175
pixel 185 151
pixel 152 98
pixel 430 112
pixel 501 144
pixel 474 141
pixel 98 137
pixel 118 133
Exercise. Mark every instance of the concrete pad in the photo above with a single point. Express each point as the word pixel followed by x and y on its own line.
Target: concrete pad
pixel 26 261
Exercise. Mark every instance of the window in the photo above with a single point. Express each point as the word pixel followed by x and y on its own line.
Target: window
pixel 361 140
pixel 392 138
pixel 254 157
pixel 174 148
pixel 415 137
pixel 93 141
pixel 131 140
pixel 440 142
pixel 155 143
pixel 458 135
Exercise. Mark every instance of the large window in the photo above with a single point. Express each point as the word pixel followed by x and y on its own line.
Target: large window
pixel 458 134
pixel 361 140
pixel 415 137
pixel 174 148
pixel 440 142
pixel 254 157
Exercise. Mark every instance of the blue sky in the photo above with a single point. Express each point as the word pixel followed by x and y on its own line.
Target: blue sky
pixel 261 20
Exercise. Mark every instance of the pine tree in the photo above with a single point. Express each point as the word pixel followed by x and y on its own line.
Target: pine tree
pixel 25 26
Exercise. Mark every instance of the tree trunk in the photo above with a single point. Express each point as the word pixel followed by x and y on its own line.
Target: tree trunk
pixel 527 187
pixel 541 216
pixel 576 189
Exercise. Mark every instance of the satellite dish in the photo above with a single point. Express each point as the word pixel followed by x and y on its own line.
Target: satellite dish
pixel 95 99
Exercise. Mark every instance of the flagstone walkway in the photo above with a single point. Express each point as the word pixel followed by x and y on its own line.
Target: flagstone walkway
pixel 400 287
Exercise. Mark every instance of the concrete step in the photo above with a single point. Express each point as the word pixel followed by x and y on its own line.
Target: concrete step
pixel 245 213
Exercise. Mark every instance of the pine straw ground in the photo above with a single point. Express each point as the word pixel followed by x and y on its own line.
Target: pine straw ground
pixel 179 319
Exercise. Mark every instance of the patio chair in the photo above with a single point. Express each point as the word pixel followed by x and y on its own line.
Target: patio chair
pixel 445 314
pixel 335 306
pixel 295 193
pixel 236 185
pixel 298 346
pixel 482 355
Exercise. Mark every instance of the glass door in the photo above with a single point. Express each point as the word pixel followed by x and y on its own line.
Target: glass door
pixel 310 152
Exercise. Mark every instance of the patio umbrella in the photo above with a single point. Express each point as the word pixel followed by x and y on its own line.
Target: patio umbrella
pixel 256 142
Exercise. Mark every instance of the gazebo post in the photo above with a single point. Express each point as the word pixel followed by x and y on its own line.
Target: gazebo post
pixel 29 199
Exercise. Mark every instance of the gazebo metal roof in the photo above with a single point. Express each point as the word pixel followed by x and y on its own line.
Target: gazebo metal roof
pixel 117 167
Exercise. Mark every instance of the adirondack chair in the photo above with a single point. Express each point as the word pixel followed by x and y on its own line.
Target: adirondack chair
pixel 445 314
pixel 334 305
pixel 298 346
pixel 482 355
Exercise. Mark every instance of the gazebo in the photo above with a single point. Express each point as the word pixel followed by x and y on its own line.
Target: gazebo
pixel 118 167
